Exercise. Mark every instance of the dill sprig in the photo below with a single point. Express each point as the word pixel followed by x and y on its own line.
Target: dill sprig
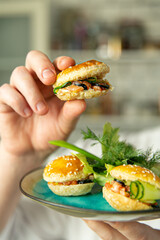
pixel 116 152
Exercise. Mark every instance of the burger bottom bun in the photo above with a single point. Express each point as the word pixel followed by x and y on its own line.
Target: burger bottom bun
pixel 71 190
pixel 123 203
pixel 86 94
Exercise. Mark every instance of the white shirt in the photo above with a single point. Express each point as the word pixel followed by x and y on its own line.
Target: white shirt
pixel 32 221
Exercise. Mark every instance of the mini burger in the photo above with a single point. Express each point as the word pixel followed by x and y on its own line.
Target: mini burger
pixel 82 81
pixel 65 177
pixel 133 188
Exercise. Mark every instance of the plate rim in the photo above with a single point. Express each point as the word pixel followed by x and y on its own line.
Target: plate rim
pixel 101 212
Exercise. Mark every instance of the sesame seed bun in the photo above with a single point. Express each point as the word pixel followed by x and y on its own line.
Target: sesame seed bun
pixel 63 169
pixel 66 169
pixel 122 203
pixel 129 173
pixel 134 173
pixel 79 72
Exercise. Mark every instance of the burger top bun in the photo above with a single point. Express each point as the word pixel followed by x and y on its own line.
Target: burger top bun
pixel 133 173
pixel 64 168
pixel 82 71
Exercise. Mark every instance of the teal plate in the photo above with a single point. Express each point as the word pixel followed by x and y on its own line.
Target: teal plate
pixel 90 206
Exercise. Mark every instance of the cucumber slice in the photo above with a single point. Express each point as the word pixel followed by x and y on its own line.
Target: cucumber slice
pixel 134 188
pixel 144 192
pixel 150 201
pixel 151 192
pixel 141 190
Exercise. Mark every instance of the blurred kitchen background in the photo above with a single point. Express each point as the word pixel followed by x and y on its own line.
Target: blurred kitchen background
pixel 124 34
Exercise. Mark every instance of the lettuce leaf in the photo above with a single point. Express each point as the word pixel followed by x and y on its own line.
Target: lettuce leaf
pixel 88 169
pixel 99 178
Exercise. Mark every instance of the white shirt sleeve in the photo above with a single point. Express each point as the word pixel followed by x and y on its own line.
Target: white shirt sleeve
pixel 32 221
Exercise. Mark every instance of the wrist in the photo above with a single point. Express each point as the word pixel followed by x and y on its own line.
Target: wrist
pixel 12 168
pixel 21 162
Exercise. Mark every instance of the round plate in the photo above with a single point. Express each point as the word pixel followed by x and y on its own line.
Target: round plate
pixel 92 206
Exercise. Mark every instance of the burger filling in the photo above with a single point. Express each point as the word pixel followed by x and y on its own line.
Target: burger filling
pixel 142 191
pixel 86 84
pixel 75 182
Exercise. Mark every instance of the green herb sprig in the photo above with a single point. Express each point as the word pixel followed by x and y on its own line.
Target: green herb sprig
pixel 116 152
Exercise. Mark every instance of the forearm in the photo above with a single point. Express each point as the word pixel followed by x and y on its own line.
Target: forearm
pixel 12 169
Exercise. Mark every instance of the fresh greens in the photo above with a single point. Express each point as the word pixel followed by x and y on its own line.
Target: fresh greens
pixel 150 192
pixel 136 190
pixel 114 152
pixel 144 191
pixel 88 168
pixel 61 143
pixel 100 176
pixel 66 84
pixel 92 164
pixel 91 79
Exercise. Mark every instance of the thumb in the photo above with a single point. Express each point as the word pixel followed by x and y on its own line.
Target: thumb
pixel 69 115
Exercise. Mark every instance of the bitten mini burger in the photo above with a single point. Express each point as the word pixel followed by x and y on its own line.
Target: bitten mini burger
pixel 82 81
pixel 133 188
pixel 65 177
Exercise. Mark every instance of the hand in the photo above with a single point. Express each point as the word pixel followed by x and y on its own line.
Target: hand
pixel 30 114
pixel 123 230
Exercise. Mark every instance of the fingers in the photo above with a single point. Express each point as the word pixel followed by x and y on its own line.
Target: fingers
pixel 69 115
pixel 12 99
pixel 35 92
pixel 63 62
pixel 40 65
pixel 135 230
pixel 22 80
pixel 27 92
pixel 104 231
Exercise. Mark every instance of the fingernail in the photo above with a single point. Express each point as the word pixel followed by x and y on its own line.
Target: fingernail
pixel 47 73
pixel 27 111
pixel 40 106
